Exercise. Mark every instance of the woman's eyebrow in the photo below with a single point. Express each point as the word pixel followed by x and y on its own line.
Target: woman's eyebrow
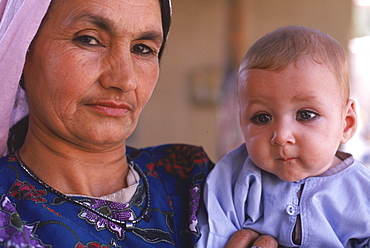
pixel 98 21
pixel 109 26
pixel 153 36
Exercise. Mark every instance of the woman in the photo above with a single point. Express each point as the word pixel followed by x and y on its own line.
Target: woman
pixel 72 182
pixel 88 73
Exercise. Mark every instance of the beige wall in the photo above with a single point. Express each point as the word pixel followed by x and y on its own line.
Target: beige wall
pixel 198 41
pixel 330 16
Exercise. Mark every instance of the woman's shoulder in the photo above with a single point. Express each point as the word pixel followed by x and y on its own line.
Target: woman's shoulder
pixel 9 172
pixel 7 164
pixel 173 161
pixel 8 159
pixel 181 171
pixel 182 155
pixel 177 149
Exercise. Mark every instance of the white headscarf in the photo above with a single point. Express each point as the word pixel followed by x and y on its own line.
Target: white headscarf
pixel 20 20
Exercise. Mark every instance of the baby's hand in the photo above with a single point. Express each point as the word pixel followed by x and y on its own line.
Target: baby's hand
pixel 245 238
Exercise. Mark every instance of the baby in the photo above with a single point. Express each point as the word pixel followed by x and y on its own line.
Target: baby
pixel 289 180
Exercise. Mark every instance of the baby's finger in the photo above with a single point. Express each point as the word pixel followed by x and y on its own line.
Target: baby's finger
pixel 265 241
pixel 242 239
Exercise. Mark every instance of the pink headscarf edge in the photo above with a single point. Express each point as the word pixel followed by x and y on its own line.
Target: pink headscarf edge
pixel 20 20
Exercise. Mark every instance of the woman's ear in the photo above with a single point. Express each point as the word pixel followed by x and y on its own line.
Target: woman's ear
pixel 350 121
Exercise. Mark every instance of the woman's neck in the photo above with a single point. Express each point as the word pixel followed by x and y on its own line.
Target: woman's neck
pixel 73 170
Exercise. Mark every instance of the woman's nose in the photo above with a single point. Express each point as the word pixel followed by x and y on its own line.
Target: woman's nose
pixel 120 73
pixel 283 134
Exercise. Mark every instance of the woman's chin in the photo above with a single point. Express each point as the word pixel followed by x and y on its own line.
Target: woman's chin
pixel 103 137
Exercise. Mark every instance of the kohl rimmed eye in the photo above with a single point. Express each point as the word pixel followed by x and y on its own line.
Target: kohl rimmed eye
pixel 87 40
pixel 142 49
pixel 306 115
pixel 261 119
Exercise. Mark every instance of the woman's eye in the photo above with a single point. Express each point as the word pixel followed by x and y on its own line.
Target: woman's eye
pixel 87 40
pixel 261 119
pixel 306 115
pixel 141 49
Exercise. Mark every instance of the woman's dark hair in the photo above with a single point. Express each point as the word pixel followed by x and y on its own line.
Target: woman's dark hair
pixel 17 134
pixel 166 22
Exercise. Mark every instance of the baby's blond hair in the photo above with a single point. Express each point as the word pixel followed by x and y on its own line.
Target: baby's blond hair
pixel 276 50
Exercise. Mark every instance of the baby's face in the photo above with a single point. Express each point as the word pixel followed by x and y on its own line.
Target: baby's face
pixel 292 120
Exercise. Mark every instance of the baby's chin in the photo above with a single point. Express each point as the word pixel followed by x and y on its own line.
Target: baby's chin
pixel 292 179
pixel 296 177
pixel 290 176
pixel 289 170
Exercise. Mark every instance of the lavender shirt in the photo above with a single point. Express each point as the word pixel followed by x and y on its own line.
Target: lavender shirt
pixel 334 207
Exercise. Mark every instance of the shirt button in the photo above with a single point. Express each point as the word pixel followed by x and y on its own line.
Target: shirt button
pixel 292 209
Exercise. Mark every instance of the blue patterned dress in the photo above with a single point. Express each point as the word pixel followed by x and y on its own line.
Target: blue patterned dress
pixel 33 216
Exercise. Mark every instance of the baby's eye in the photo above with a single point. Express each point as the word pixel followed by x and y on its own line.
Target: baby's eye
pixel 87 40
pixel 306 115
pixel 261 119
pixel 142 49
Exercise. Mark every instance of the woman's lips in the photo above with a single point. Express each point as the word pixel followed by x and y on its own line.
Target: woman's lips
pixel 111 109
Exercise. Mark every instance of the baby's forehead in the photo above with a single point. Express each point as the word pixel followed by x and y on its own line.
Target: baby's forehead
pixel 338 70
pixel 305 79
pixel 300 67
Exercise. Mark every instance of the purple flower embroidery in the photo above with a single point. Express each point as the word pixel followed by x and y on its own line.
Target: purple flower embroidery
pixel 194 205
pixel 13 232
pixel 115 210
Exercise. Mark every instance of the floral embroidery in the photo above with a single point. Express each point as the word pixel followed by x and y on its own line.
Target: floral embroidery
pixel 170 202
pixel 176 164
pixel 12 158
pixel 194 205
pixel 114 209
pixel 13 232
pixel 52 210
pixel 152 172
pixel 167 163
pixel 26 191
pixel 91 245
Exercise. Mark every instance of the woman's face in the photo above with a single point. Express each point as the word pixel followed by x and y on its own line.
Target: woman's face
pixel 91 69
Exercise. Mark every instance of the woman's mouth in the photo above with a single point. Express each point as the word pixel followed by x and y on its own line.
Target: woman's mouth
pixel 111 109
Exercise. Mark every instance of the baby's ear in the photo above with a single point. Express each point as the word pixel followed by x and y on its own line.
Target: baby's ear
pixel 350 121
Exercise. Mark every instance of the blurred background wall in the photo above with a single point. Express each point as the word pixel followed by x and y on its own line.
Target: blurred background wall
pixel 195 101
